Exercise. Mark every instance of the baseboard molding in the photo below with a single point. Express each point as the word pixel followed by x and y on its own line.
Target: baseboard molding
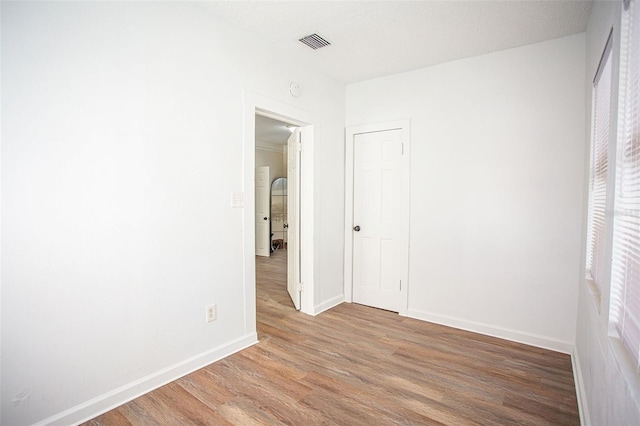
pixel 502 333
pixel 334 301
pixel 130 391
pixel 581 394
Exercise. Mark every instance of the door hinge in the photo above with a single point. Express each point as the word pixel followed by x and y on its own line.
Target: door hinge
pixel 300 287
pixel 402 144
pixel 400 285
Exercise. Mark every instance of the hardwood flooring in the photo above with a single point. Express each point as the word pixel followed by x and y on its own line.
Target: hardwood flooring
pixel 355 365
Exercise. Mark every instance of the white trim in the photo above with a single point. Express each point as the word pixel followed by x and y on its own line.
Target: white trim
pixel 110 400
pixel 307 298
pixel 581 393
pixel 258 104
pixel 351 132
pixel 262 148
pixel 493 331
pixel 325 306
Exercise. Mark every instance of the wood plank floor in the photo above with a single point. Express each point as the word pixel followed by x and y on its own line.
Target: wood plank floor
pixel 355 365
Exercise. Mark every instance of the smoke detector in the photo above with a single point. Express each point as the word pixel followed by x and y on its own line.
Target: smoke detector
pixel 294 89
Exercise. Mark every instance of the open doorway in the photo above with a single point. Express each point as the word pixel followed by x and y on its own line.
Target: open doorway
pixel 255 104
pixel 271 184
pixel 275 208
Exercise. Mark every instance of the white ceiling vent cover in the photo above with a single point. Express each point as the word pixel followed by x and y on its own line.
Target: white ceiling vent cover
pixel 314 41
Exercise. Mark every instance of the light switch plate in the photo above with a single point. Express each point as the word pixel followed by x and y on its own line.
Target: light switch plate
pixel 237 199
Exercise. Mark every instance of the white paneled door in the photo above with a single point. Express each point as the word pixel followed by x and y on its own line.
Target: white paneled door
pixel 263 231
pixel 293 217
pixel 379 252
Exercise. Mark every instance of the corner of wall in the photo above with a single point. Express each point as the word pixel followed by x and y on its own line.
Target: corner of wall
pixel 328 304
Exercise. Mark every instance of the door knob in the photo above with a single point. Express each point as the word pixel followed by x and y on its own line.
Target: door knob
pixel 356 228
pixel 265 218
pixel 285 225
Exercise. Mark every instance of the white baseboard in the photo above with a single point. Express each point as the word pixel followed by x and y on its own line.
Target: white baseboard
pixel 502 333
pixel 110 400
pixel 335 301
pixel 581 394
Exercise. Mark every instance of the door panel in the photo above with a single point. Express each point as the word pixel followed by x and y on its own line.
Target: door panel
pixel 377 210
pixel 293 217
pixel 263 231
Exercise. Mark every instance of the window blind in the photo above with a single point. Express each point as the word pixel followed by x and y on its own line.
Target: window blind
pixel 598 169
pixel 625 275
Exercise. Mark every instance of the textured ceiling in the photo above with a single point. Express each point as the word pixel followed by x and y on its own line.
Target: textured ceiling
pixel 376 38
pixel 270 133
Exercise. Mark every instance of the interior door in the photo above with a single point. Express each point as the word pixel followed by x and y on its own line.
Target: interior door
pixel 293 217
pixel 263 231
pixel 377 213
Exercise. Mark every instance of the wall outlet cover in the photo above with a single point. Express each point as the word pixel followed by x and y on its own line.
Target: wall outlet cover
pixel 211 313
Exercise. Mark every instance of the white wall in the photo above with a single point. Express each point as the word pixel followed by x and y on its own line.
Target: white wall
pixel 497 143
pixel 608 383
pixel 274 159
pixel 115 118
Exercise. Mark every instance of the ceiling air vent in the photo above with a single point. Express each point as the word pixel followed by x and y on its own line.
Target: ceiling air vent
pixel 314 41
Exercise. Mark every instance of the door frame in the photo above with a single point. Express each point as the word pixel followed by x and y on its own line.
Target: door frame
pixel 253 104
pixel 403 226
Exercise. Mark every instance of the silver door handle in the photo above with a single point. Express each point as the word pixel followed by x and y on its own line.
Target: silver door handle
pixel 356 228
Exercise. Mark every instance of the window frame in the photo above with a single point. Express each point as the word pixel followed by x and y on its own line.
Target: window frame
pixel 598 240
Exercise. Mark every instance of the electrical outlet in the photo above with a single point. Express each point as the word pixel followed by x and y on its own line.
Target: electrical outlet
pixel 211 313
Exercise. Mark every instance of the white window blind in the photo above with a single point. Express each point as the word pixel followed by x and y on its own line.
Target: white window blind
pixel 598 169
pixel 625 276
